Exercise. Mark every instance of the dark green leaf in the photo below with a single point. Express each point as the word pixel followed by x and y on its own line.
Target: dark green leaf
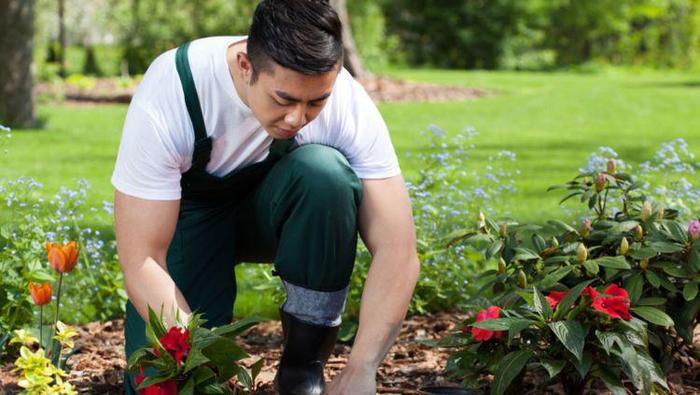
pixel 570 298
pixel 653 315
pixel 156 323
pixel 539 242
pixel 666 248
pixel 643 253
pixel 524 254
pixel 651 301
pixel 584 365
pixel 541 304
pixel 508 369
pixel 690 291
pixel 653 279
pixel 188 388
pixel 571 334
pixel 237 327
pixel 591 267
pixel 611 381
pixel 553 367
pixel 195 358
pixel 613 262
pixel 494 249
pixel 501 324
pixel 555 276
pixel 634 285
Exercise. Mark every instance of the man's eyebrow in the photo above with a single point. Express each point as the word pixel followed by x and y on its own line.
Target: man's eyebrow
pixel 288 97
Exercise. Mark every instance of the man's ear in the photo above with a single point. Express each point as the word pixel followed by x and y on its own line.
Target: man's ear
pixel 244 66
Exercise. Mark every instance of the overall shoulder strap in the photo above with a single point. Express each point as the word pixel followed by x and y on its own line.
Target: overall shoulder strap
pixel 202 143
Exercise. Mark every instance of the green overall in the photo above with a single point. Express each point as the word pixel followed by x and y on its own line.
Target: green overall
pixel 298 208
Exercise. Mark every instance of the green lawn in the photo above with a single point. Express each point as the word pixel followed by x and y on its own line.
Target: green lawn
pixel 551 121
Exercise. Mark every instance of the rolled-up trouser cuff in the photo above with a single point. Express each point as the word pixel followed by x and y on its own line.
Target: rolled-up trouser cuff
pixel 316 307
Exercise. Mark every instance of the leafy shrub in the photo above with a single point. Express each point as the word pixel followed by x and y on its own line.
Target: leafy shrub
pixel 644 249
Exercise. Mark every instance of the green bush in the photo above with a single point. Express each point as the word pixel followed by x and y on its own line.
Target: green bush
pixel 643 255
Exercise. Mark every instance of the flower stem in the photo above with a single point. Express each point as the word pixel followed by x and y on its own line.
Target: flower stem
pixel 58 300
pixel 41 327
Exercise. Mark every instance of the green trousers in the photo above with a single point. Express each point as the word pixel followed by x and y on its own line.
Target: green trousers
pixel 301 215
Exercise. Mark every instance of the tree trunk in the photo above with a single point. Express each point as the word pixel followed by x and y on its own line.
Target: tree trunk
pixel 62 37
pixel 16 43
pixel 353 61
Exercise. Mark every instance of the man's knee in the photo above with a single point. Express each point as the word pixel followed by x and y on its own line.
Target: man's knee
pixel 324 175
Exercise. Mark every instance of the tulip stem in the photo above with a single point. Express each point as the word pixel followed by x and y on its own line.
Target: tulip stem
pixel 58 299
pixel 41 327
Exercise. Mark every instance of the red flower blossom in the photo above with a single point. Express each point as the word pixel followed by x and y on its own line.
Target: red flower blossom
pixel 176 343
pixel 487 314
pixel 590 292
pixel 168 387
pixel 555 297
pixel 615 303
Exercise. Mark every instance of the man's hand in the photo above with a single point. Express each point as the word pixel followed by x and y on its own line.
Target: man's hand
pixel 353 380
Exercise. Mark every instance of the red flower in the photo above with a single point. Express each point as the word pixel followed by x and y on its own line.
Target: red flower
pixel 615 303
pixel 176 343
pixel 168 387
pixel 555 297
pixel 590 292
pixel 41 293
pixel 483 315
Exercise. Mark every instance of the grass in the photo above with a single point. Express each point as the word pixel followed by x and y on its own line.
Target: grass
pixel 552 122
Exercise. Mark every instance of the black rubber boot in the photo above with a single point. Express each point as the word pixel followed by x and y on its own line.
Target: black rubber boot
pixel 305 350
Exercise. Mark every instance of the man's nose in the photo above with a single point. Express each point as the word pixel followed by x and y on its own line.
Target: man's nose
pixel 297 117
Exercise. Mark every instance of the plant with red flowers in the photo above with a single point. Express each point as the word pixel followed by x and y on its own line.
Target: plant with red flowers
pixel 640 263
pixel 192 359
pixel 575 337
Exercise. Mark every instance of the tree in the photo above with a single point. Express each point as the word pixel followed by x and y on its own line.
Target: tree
pixel 16 43
pixel 353 62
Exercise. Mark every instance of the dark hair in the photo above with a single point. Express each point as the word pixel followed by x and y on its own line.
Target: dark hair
pixel 302 35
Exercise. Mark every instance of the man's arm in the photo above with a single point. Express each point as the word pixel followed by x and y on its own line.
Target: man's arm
pixel 144 229
pixel 386 227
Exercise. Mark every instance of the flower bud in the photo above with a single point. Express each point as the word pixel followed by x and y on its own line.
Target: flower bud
pixel 501 265
pixel 646 211
pixel 694 229
pixel 555 242
pixel 581 253
pixel 503 230
pixel 612 167
pixel 624 246
pixel 638 233
pixel 660 214
pixel 41 293
pixel 644 264
pixel 482 220
pixel 522 279
pixel 600 182
pixel 586 227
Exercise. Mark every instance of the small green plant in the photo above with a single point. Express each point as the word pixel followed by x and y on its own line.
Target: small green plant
pixel 192 359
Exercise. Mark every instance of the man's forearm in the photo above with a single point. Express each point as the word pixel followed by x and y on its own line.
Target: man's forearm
pixel 149 284
pixel 387 293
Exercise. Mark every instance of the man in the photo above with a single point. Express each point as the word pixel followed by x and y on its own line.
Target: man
pixel 263 149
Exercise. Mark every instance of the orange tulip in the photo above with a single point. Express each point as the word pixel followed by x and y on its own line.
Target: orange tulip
pixel 41 293
pixel 62 258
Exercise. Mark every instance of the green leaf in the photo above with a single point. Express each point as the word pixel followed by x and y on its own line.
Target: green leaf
pixel 156 323
pixel 256 368
pixel 195 358
pixel 516 328
pixel 653 279
pixel 609 339
pixel 666 248
pixel 571 334
pixel 642 253
pixel 527 296
pixel 244 378
pixel 508 369
pixel 653 301
pixel 613 262
pixel 562 226
pixel 555 276
pixel 541 304
pixel 237 327
pixel 634 285
pixel 524 254
pixel 539 242
pixel 570 298
pixel 653 315
pixel 584 365
pixel 591 267
pixel 188 388
pixel 202 374
pixel 690 291
pixel 553 367
pixel 501 324
pixel 494 249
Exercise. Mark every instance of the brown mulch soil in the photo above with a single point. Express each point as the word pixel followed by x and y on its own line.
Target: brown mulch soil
pixel 380 89
pixel 98 364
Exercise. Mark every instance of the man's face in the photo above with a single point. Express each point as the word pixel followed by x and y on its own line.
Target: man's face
pixel 284 100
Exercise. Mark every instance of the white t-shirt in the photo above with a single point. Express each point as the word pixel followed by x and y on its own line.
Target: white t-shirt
pixel 158 137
